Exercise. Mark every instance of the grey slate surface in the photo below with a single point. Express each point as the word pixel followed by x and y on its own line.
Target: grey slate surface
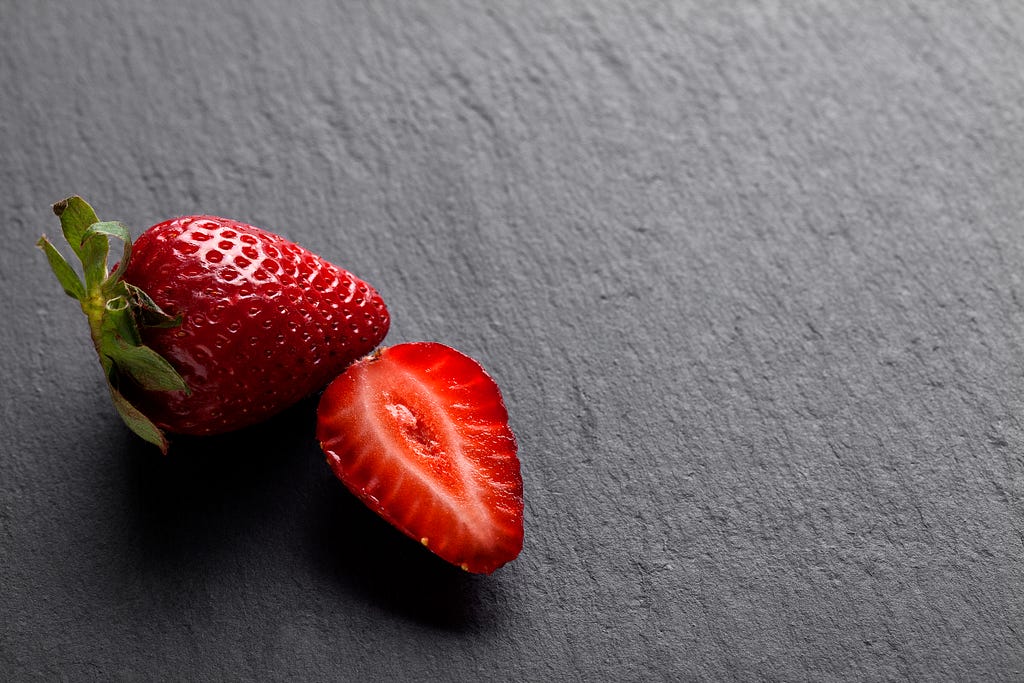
pixel 749 274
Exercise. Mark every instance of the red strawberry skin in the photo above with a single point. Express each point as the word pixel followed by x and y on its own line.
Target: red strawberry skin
pixel 419 432
pixel 264 322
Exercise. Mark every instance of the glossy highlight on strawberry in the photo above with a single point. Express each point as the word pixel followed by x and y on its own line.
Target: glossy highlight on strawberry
pixel 419 432
pixel 206 324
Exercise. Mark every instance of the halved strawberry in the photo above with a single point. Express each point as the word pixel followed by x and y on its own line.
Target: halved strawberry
pixel 419 432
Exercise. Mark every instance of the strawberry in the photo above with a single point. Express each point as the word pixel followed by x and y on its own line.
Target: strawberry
pixel 419 433
pixel 207 325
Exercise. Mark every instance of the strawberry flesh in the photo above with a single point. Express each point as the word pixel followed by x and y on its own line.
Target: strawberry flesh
pixel 419 432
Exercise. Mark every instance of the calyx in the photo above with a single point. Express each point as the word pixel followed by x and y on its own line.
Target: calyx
pixel 116 311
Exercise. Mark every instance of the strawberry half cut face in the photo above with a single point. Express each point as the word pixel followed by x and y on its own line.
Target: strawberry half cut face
pixel 419 432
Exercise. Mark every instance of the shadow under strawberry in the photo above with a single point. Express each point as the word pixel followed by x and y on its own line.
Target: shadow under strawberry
pixel 378 564
pixel 264 496
pixel 212 492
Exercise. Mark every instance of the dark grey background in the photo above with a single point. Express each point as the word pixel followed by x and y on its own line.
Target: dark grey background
pixel 749 274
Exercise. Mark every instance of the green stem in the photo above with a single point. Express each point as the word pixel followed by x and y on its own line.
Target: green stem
pixel 94 306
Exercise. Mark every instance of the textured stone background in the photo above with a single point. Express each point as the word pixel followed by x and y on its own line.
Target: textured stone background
pixel 749 273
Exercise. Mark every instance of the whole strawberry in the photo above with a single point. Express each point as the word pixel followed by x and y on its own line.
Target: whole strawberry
pixel 207 325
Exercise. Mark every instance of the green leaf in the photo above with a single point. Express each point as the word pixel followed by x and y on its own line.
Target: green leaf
pixel 148 312
pixel 75 218
pixel 118 323
pixel 137 422
pixel 66 275
pixel 118 231
pixel 144 365
pixel 110 228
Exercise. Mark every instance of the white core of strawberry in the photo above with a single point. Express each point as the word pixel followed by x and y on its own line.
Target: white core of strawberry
pixel 426 429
